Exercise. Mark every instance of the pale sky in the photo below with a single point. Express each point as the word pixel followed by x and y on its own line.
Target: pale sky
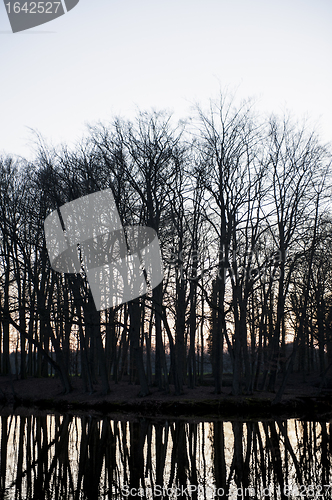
pixel 110 57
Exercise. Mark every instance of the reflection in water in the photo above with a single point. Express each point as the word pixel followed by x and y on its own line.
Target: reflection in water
pixel 88 457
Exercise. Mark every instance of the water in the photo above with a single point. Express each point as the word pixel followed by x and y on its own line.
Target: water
pixel 97 457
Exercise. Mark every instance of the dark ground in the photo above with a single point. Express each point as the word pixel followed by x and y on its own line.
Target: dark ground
pixel 301 399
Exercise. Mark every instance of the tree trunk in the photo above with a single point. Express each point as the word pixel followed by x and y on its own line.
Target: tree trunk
pixel 134 335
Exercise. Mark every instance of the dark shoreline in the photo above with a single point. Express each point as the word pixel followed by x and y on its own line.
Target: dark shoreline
pixel 246 408
pixel 300 401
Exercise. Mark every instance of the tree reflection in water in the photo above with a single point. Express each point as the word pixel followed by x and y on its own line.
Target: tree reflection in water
pixel 89 457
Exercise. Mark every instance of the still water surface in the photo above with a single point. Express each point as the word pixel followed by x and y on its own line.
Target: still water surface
pixel 93 457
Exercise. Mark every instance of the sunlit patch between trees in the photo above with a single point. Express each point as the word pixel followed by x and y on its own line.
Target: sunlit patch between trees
pixel 241 207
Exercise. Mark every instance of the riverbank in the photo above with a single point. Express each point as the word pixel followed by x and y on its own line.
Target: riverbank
pixel 301 399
